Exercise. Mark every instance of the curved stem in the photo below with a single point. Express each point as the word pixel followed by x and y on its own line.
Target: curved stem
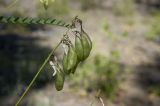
pixel 13 3
pixel 35 77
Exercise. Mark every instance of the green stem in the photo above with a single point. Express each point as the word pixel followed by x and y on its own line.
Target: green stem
pixel 35 77
pixel 30 20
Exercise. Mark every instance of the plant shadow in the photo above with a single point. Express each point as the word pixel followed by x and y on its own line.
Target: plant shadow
pixel 148 81
pixel 20 58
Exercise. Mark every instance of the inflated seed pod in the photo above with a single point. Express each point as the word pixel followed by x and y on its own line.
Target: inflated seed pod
pixel 65 63
pixel 69 60
pixel 87 36
pixel 79 48
pixel 72 57
pixel 86 47
pixel 74 68
pixel 59 79
pixel 86 42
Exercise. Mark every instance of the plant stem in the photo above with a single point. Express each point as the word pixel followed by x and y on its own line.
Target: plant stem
pixel 35 77
pixel 13 3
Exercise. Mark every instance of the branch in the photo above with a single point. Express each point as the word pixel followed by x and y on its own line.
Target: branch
pixel 98 98
pixel 29 20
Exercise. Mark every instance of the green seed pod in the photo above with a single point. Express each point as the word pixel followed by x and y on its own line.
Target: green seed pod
pixel 69 60
pixel 59 80
pixel 79 48
pixel 65 63
pixel 86 46
pixel 88 38
pixel 74 68
pixel 72 57
pixel 87 43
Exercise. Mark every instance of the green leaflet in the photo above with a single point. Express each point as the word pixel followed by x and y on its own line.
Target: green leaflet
pixel 29 20
pixel 12 19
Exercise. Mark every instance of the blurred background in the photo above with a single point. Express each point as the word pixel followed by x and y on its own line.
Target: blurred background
pixel 124 63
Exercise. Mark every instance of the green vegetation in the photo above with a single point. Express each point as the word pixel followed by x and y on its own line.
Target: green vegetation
pixel 109 33
pixel 155 90
pixel 103 71
pixel 57 8
pixel 154 31
pixel 29 20
pixel 117 27
pixel 124 8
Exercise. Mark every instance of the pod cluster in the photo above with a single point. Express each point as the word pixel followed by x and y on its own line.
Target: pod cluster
pixel 77 53
pixel 74 54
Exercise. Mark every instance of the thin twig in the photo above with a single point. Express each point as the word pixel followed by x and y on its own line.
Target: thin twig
pixel 92 102
pixel 35 77
pixel 101 100
pixel 13 3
